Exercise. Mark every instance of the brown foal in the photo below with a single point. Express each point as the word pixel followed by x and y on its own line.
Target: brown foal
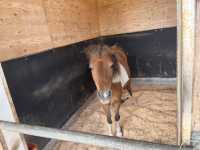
pixel 111 74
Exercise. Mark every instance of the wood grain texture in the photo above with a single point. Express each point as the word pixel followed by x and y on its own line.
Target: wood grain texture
pixel 150 115
pixel 126 16
pixel 71 21
pixel 187 64
pixel 23 28
pixel 196 86
pixel 29 27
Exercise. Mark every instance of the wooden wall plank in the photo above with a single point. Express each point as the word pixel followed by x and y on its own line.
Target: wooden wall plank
pixel 29 27
pixel 23 28
pixel 196 86
pixel 37 25
pixel 71 21
pixel 124 16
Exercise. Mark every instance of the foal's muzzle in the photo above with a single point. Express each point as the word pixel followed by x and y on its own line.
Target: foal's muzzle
pixel 104 96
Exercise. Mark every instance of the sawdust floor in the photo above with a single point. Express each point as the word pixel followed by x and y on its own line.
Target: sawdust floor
pixel 150 115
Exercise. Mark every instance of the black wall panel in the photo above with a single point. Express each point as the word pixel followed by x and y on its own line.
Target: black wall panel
pixel 48 88
pixel 150 53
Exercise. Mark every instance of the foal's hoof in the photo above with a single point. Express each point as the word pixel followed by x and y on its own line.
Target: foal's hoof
pixel 119 132
pixel 110 134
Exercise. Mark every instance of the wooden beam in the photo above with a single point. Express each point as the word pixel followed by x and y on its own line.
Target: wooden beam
pixel 196 86
pixel 13 141
pixel 187 41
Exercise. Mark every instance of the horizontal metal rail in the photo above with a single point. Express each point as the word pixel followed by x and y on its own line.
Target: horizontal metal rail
pixel 86 138
pixel 195 137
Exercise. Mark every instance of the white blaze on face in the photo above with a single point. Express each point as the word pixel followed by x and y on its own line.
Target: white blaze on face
pixel 122 76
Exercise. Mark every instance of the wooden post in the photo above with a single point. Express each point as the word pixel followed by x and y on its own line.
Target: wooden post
pixel 196 93
pixel 186 48
pixel 11 140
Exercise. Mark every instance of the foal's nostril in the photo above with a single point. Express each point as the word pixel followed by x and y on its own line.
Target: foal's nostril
pixel 99 94
pixel 109 93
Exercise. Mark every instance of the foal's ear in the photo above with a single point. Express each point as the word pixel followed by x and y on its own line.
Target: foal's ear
pixel 87 52
pixel 114 60
pixel 91 50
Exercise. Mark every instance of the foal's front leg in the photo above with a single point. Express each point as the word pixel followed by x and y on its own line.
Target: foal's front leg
pixel 119 132
pixel 107 110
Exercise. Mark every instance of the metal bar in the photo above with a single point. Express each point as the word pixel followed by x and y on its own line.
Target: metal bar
pixel 179 72
pixel 195 140
pixel 195 137
pixel 154 81
pixel 188 48
pixel 85 138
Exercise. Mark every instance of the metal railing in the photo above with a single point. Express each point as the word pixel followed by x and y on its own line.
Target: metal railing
pixel 86 138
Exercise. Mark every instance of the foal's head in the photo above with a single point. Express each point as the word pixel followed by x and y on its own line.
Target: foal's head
pixel 103 64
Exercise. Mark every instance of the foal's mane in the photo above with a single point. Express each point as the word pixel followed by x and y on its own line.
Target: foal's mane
pixel 97 50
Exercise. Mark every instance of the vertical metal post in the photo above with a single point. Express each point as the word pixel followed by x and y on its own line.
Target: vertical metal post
pixel 179 71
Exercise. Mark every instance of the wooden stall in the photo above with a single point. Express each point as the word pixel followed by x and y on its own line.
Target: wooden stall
pixel 44 71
